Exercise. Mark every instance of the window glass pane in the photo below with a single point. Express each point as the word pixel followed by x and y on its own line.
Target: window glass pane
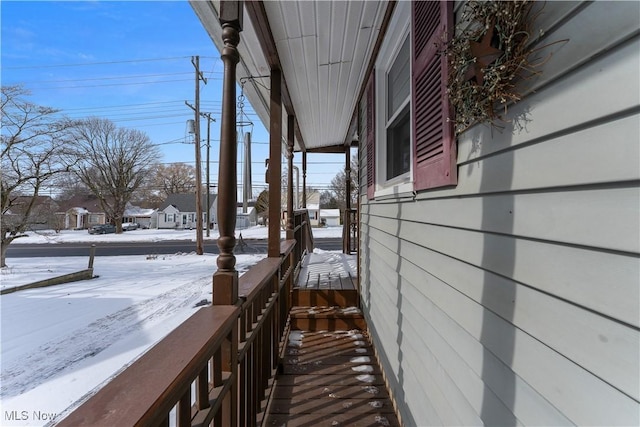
pixel 398 80
pixel 399 145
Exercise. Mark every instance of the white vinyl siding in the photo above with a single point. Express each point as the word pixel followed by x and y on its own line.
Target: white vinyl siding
pixel 513 297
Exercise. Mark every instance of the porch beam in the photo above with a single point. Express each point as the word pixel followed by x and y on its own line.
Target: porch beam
pixel 225 279
pixel 275 164
pixel 332 149
pixel 290 143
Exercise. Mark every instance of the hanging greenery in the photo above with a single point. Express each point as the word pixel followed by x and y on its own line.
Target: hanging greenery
pixel 489 54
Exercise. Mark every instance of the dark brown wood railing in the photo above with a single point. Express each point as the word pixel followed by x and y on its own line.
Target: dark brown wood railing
pixel 265 294
pixel 302 233
pixel 213 369
pixel 350 231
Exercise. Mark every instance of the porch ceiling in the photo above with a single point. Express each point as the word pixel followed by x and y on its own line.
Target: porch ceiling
pixel 323 49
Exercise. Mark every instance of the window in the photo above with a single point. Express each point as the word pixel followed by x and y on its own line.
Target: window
pixel 410 143
pixel 392 113
pixel 398 126
pixel 168 218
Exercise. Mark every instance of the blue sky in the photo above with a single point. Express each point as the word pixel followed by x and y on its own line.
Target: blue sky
pixel 130 62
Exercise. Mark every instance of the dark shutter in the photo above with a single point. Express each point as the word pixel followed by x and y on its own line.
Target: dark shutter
pixel 371 136
pixel 434 160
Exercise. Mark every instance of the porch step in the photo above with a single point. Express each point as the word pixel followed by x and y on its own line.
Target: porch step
pixel 323 318
pixel 324 297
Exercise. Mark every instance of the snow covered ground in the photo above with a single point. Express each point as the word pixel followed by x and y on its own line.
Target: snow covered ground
pixel 61 343
pixel 152 235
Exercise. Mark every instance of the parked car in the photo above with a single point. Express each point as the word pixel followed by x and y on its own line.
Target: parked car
pixel 102 229
pixel 127 226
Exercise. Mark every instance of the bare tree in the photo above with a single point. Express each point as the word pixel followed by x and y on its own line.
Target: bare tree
pixel 34 152
pixel 165 179
pixel 114 163
pixel 338 189
pixel 68 186
pixel 176 178
pixel 329 200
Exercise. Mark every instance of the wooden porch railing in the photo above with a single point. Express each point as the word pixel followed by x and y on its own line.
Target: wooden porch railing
pixel 213 369
pixel 350 231
pixel 302 233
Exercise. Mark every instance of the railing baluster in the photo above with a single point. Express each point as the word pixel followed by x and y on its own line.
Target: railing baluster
pixel 164 422
pixel 255 370
pixel 184 409
pixel 217 368
pixel 275 327
pixel 202 389
pixel 232 340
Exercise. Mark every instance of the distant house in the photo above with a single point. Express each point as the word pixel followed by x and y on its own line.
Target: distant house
pixel 146 218
pixel 246 219
pixel 81 212
pixel 314 214
pixel 179 211
pixel 313 207
pixel 41 216
pixel 330 217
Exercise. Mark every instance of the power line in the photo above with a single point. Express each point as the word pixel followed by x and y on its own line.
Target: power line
pixel 124 105
pixel 128 61
pixel 114 84
pixel 135 76
pixel 134 115
pixel 173 141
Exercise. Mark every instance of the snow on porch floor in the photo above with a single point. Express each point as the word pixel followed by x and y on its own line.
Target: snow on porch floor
pixel 330 378
pixel 328 270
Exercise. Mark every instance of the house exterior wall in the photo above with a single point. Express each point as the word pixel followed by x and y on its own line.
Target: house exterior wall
pixel 74 220
pixel 331 217
pixel 314 214
pixel 513 297
pixel 169 218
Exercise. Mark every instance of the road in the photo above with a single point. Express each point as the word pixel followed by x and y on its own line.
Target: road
pixel 146 248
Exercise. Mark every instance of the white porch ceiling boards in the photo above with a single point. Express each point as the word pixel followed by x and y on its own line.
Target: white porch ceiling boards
pixel 324 48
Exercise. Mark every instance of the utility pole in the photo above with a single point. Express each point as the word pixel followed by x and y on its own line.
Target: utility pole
pixel 209 120
pixel 246 175
pixel 195 60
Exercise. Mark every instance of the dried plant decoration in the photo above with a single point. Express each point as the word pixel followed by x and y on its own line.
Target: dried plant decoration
pixel 489 54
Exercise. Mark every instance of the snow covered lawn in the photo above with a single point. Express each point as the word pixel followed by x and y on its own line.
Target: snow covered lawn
pixel 60 343
pixel 154 235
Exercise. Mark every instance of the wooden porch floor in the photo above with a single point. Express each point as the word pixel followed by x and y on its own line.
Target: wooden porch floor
pixel 329 374
pixel 328 270
pixel 329 378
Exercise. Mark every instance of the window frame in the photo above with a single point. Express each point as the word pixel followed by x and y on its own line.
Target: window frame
pixel 398 33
